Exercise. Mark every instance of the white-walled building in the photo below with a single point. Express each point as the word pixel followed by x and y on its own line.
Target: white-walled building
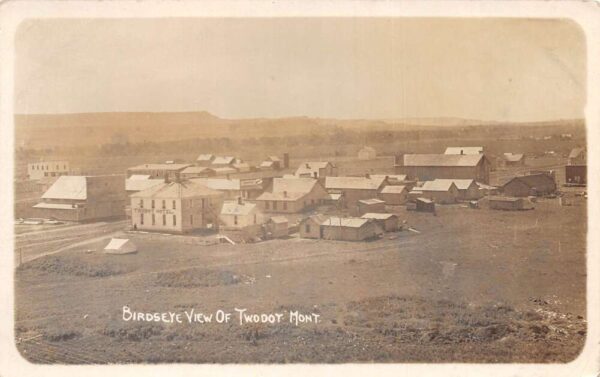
pixel 41 169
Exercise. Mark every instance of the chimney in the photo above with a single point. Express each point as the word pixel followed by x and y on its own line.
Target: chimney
pixel 462 152
pixel 285 194
pixel 307 166
pixel 286 160
pixel 316 174
pixel 239 200
pixel 367 175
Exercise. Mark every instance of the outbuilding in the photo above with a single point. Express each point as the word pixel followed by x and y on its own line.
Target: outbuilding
pixel 530 185
pixel 370 205
pixel 350 229
pixel 394 194
pixel 387 221
pixel 442 191
pixel 424 205
pixel 310 227
pixel 509 203
pixel 277 227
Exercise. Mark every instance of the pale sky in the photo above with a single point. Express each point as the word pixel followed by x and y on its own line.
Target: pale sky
pixel 488 69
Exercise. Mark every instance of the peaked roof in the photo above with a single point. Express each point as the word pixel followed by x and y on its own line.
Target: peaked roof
pixel 513 156
pixel 301 185
pixel 72 187
pixel 195 169
pixel 391 189
pixel 442 159
pixel 437 185
pixel 311 167
pixel 575 152
pixel 219 183
pixel 205 157
pixel 141 184
pixel 461 184
pixel 378 216
pixel 359 183
pixel 391 177
pixel 318 218
pixel 177 190
pixel 346 222
pixel 173 167
pixel 371 201
pixel 223 160
pixel 279 219
pixel 533 180
pixel 235 208
pixel 273 158
pixel 139 176
pixel 464 150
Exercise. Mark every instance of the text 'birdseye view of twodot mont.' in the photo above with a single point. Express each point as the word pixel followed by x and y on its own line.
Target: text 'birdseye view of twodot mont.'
pixel 232 233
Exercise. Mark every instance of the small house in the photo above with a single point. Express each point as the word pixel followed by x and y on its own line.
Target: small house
pixel 205 159
pixel 310 227
pixel 394 195
pixel 424 205
pixel 464 150
pixel 387 221
pixel 277 227
pixel 442 191
pixel 577 156
pixel 468 189
pixel 316 169
pixel 513 159
pixel 197 172
pixel 292 195
pixel 367 153
pixel 350 229
pixel 509 203
pixel 355 188
pixel 370 205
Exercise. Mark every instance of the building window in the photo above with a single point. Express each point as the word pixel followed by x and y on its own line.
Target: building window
pixel 164 204
pixel 191 219
pixel 266 205
pixel 202 203
pixel 255 218
pixel 141 203
pixel 164 220
pixel 174 206
pixel 141 218
pixel 307 228
pixel 174 220
pixel 153 219
pixel 45 174
pixel 274 206
pixel 152 203
pixel 285 205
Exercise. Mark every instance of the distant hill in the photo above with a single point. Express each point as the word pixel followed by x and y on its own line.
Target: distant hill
pixel 85 129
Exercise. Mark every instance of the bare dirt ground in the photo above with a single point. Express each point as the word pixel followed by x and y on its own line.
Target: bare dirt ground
pixel 473 286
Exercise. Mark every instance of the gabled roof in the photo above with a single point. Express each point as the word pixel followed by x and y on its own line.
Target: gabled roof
pixel 141 184
pixel 357 183
pixel 575 152
pixel 177 190
pixel 391 189
pixel 169 167
pixel 424 200
pixel 378 216
pixel 461 184
pixel 235 208
pixel 223 160
pixel 273 158
pixel 303 185
pixel 72 187
pixel 442 159
pixel 513 157
pixel 318 218
pixel 438 185
pixel 279 219
pixel 281 196
pixel 224 170
pixel 391 177
pixel 346 222
pixel 219 183
pixel 371 201
pixel 533 180
pixel 464 150
pixel 205 157
pixel 139 176
pixel 266 164
pixel 311 167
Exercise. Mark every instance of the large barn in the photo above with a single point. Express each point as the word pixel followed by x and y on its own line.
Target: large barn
pixel 83 198
pixel 426 167
pixel 464 150
pixel 530 185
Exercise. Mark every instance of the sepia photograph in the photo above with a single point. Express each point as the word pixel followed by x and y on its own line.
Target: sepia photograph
pixel 314 190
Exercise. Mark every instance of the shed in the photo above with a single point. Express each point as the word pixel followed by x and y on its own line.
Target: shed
pixel 120 246
pixel 468 189
pixel 530 185
pixel 394 195
pixel 513 159
pixel 278 226
pixel 370 205
pixel 387 221
pixel 425 205
pixel 576 175
pixel 442 191
pixel 509 203
pixel 349 229
pixel 310 227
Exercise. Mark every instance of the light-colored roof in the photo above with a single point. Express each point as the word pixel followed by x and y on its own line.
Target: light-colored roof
pixel 503 198
pixel 281 196
pixel 141 184
pixel 424 200
pixel 72 187
pixel 224 170
pixel 266 164
pixel 357 183
pixel 274 158
pixel 221 184
pixel 335 196
pixel 170 167
pixel 279 219
pixel 391 189
pixel 223 160
pixel 53 206
pixel 346 222
pixel 391 177
pixel 116 243
pixel 575 152
pixel 242 166
pixel 464 150
pixel 139 176
pixel 205 157
pixel 195 170
pixel 442 159
pixel 318 218
pixel 367 149
pixel 378 216
pixel 513 157
pixel 311 167
pixel 120 246
pixel 371 201
pixel 235 208
pixel 437 185
pixel 461 184
pixel 302 185
pixel 175 190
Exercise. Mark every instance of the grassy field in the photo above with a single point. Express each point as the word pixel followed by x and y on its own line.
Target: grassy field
pixel 472 286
